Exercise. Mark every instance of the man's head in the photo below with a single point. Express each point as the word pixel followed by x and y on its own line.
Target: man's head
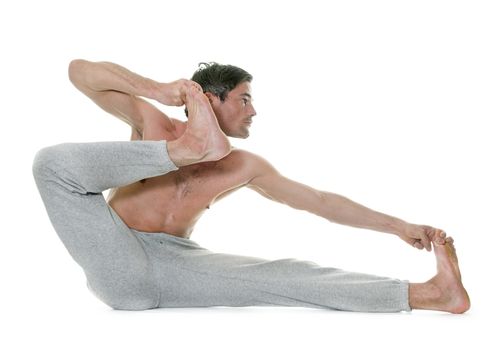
pixel 228 90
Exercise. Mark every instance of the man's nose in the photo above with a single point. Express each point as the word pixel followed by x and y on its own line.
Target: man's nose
pixel 252 112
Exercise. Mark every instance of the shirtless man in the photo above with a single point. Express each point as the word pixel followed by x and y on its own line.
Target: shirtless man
pixel 135 248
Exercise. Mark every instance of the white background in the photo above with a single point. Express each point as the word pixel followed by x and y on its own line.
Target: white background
pixel 384 102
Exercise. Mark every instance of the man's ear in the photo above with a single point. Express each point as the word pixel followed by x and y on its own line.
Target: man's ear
pixel 211 97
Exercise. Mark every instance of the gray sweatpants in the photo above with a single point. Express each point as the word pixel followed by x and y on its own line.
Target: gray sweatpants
pixel 133 270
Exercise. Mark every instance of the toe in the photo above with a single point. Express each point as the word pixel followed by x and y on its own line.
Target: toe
pixel 440 241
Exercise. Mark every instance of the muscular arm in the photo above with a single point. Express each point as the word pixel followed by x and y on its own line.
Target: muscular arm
pixel 333 207
pixel 107 76
pixel 118 90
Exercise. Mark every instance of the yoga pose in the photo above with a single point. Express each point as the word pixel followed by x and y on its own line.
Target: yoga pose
pixel 135 248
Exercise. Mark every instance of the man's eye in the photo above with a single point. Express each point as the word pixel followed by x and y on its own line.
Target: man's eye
pixel 245 101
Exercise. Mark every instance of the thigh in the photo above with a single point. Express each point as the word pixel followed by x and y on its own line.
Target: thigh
pixel 114 261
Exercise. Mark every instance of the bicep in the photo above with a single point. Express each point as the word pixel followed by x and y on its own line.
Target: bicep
pixel 131 109
pixel 121 105
pixel 273 185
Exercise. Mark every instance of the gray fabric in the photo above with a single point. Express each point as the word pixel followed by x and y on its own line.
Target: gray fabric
pixel 133 270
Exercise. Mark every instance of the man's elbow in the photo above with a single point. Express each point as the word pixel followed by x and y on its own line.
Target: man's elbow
pixel 77 72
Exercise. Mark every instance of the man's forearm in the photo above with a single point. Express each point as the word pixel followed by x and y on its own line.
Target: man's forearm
pixel 344 211
pixel 103 76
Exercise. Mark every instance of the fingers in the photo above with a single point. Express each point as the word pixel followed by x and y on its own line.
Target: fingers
pixel 421 237
pixel 420 245
pixel 191 83
pixel 435 235
pixel 439 237
pixel 426 242
pixel 184 86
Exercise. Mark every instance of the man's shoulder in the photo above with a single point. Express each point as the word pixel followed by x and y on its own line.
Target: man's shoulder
pixel 242 154
pixel 248 161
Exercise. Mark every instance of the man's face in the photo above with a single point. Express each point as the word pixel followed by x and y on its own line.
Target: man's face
pixel 235 113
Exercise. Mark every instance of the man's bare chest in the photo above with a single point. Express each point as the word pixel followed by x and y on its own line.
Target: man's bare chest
pixel 191 187
pixel 197 183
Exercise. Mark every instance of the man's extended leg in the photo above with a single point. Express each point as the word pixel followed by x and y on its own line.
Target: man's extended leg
pixel 202 278
pixel 192 276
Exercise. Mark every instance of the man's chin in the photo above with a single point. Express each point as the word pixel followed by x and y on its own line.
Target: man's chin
pixel 239 136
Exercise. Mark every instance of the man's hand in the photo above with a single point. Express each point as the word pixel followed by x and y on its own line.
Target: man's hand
pixel 421 236
pixel 174 93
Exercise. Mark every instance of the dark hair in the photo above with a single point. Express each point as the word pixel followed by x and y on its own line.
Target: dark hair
pixel 219 79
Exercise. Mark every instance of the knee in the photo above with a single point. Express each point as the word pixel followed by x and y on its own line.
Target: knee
pixel 132 303
pixel 129 299
pixel 45 160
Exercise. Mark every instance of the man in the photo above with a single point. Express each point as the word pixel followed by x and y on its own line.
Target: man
pixel 135 248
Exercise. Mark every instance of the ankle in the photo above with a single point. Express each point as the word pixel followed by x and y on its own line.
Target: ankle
pixel 425 296
pixel 218 152
pixel 181 154
pixel 433 290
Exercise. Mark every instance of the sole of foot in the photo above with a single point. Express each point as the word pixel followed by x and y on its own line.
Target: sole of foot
pixel 454 297
pixel 203 140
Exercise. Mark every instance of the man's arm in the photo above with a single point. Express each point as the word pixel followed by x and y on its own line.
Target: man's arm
pixel 333 207
pixel 118 90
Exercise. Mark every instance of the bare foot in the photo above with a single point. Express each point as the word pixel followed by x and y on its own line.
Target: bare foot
pixel 203 140
pixel 452 294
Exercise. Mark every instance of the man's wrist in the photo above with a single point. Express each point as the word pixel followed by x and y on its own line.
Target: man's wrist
pixel 399 227
pixel 157 91
pixel 169 94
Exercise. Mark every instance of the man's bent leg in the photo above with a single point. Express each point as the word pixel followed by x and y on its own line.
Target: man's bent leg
pixel 71 178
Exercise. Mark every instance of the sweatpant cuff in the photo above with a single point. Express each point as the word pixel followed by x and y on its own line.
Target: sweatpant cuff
pixel 168 163
pixel 405 297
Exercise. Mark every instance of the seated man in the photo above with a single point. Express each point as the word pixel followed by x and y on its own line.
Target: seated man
pixel 135 249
